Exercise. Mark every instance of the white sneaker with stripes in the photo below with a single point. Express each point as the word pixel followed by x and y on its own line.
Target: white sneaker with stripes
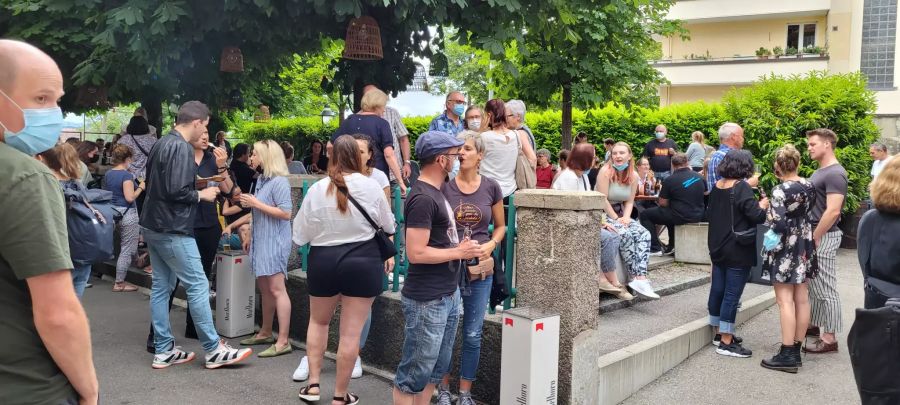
pixel 225 355
pixel 172 357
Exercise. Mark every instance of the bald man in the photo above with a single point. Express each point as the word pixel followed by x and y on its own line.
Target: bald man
pixel 46 350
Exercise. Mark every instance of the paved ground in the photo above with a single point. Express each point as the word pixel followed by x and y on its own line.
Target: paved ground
pixel 119 326
pixel 707 378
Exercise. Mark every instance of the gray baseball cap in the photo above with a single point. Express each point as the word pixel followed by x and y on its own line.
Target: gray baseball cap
pixel 433 143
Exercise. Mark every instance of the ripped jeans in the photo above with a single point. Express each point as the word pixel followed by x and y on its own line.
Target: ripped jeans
pixel 475 302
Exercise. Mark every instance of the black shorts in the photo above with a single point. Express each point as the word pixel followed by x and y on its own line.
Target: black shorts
pixel 353 269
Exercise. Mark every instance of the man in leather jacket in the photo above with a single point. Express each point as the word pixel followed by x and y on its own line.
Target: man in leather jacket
pixel 167 223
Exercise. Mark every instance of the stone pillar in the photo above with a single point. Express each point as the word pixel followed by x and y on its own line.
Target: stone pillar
pixel 556 270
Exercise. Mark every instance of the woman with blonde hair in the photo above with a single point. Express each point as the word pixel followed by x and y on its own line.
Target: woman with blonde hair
pixel 790 258
pixel 270 243
pixel 619 182
pixel 697 151
pixel 877 235
pixel 345 261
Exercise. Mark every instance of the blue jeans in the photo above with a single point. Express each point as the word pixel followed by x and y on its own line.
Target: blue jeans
pixel 175 257
pixel 428 340
pixel 724 295
pixel 80 275
pixel 475 301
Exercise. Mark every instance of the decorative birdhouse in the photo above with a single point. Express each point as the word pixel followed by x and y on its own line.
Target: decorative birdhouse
pixel 232 60
pixel 92 96
pixel 363 40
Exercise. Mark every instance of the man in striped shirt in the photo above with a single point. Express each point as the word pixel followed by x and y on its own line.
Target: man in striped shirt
pixel 731 136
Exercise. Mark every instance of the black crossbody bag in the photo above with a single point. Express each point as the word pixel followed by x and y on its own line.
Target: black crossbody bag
pixel 385 244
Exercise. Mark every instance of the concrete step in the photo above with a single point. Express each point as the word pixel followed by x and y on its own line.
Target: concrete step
pixel 640 343
pixel 667 278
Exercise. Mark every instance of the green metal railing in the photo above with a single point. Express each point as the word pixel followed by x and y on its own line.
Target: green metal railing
pixel 401 261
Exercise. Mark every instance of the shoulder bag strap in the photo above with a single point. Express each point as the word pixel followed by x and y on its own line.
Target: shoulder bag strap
pixel 361 211
pixel 731 206
pixel 138 144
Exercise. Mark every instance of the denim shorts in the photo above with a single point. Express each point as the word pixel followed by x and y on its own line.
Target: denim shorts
pixel 429 336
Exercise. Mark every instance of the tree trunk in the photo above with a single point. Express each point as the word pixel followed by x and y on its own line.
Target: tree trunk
pixel 566 130
pixel 357 94
pixel 151 102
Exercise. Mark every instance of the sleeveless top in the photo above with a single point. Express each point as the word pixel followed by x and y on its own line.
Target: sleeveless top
pixel 500 153
pixel 618 192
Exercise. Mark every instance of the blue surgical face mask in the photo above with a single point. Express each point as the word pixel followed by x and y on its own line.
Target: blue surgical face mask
pixel 660 135
pixel 41 131
pixel 620 167
pixel 771 240
pixel 459 109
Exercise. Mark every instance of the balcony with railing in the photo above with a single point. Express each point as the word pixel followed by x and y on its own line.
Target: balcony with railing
pixel 699 11
pixel 703 70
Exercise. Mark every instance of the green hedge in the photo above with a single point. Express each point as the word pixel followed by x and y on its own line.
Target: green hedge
pixel 775 111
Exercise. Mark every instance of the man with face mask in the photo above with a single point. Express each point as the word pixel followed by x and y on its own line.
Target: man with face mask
pixel 46 338
pixel 435 270
pixel 660 151
pixel 451 121
pixel 168 226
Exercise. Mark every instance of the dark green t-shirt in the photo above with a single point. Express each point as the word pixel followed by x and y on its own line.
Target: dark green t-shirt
pixel 33 241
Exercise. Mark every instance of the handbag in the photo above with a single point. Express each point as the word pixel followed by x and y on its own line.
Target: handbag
pixel 385 244
pixel 482 270
pixel 745 237
pixel 526 177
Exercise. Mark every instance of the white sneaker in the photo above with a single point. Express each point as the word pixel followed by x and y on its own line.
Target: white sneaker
pixel 643 288
pixel 357 369
pixel 172 357
pixel 225 355
pixel 302 371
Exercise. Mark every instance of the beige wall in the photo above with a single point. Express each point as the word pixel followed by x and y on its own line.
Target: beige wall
pixel 700 10
pixel 726 39
pixel 679 94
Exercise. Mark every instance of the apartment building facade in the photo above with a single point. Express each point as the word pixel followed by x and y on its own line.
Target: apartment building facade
pixel 834 35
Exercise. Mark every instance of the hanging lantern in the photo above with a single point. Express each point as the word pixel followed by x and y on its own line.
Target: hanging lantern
pixel 232 60
pixel 92 96
pixel 363 40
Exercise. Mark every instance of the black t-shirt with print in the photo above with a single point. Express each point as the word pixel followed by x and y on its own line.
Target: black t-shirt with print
pixel 426 208
pixel 658 154
pixel 684 189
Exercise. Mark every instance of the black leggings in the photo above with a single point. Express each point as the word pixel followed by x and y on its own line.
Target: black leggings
pixel 208 243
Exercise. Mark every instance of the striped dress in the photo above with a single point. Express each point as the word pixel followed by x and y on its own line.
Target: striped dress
pixel 271 244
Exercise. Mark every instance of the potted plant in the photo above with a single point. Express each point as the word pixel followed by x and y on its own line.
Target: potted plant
pixel 763 53
pixel 791 51
pixel 823 51
pixel 811 50
pixel 778 52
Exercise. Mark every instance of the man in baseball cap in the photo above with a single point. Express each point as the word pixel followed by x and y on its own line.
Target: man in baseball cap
pixel 436 260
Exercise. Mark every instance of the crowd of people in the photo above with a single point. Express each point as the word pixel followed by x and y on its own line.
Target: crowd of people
pixel 178 194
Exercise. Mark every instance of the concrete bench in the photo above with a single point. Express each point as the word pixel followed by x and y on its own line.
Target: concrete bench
pixel 690 243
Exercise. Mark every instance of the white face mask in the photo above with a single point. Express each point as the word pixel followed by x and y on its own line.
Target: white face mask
pixel 474 123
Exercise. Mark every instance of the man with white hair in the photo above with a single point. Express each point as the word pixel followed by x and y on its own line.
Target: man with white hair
pixel 731 137
pixel 515 118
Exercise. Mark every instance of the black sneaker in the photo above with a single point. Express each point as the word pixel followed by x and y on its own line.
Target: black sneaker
pixel 734 350
pixel 718 339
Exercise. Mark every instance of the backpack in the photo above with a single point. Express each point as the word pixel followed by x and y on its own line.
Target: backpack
pixel 91 221
pixel 874 343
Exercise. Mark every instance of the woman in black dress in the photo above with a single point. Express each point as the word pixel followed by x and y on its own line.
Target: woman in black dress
pixel 792 261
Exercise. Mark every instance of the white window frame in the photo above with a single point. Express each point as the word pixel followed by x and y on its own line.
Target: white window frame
pixel 800 34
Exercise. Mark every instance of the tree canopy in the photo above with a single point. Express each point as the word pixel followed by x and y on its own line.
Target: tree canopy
pixel 154 50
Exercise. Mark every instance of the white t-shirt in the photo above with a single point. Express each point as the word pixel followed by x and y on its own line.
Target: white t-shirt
pixel 319 223
pixel 878 165
pixel 499 163
pixel 380 178
pixel 569 181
